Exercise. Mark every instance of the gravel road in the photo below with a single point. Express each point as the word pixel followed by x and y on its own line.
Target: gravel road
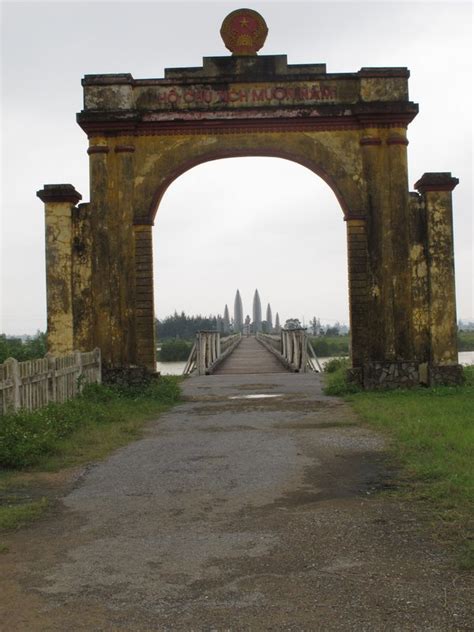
pixel 253 505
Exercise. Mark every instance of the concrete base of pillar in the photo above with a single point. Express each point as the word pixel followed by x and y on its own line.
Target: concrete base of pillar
pixel 128 376
pixel 451 375
pixel 389 375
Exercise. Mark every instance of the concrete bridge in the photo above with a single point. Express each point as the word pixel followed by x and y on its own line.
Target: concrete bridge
pixel 289 351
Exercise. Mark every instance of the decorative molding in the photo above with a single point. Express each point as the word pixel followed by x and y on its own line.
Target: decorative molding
pixel 58 193
pixel 370 140
pixel 354 216
pixel 263 150
pixel 397 140
pixel 98 149
pixel 122 149
pixel 143 221
pixel 236 126
pixel 436 181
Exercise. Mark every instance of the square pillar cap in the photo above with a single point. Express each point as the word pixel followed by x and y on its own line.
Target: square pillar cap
pixel 441 181
pixel 59 193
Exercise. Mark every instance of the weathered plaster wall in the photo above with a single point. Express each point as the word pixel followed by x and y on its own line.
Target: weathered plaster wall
pixel 335 156
pixel 59 290
pixel 443 326
pixel 60 201
pixel 113 261
pixel 82 277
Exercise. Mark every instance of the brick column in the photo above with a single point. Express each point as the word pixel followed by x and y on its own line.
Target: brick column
pixel 59 201
pixel 436 189
pixel 358 289
pixel 144 309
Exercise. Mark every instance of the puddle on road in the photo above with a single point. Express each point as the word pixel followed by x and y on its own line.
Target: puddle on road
pixel 256 396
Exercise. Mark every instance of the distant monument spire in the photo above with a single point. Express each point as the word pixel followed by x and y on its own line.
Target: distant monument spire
pixel 277 323
pixel 226 322
pixel 257 312
pixel 238 313
pixel 269 319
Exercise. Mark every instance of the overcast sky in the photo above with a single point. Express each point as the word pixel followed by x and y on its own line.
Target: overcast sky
pixel 238 223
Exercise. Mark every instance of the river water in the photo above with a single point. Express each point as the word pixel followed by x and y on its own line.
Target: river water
pixel 176 368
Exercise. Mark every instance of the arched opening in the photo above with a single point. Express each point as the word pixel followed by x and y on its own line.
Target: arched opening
pixel 251 223
pixel 262 153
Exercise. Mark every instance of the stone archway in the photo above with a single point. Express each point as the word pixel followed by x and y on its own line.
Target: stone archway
pixel 349 128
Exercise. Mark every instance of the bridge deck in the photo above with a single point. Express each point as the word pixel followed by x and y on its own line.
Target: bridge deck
pixel 250 357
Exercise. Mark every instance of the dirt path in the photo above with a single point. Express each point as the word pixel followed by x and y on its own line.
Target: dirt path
pixel 240 515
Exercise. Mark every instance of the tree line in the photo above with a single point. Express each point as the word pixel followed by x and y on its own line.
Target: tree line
pixel 184 326
pixel 23 349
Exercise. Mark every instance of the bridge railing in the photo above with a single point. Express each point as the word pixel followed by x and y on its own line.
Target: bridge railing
pixel 209 350
pixel 293 348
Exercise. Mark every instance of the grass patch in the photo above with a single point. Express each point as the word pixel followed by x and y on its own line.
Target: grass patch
pixel 13 516
pixel 432 439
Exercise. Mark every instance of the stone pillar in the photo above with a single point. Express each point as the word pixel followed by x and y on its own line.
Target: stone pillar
pixel 144 308
pixel 396 143
pixel 381 333
pixel 123 269
pixel 358 290
pixel 82 278
pixel 101 286
pixel 59 201
pixel 436 189
pixel 390 360
pixel 419 283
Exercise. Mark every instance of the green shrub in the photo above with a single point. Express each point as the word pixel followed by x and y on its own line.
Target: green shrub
pixel 30 349
pixel 335 364
pixel 466 340
pixel 326 346
pixel 174 350
pixel 27 437
pixel 335 380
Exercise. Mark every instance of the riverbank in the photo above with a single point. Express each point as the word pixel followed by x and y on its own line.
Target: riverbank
pixel 176 368
pixel 178 349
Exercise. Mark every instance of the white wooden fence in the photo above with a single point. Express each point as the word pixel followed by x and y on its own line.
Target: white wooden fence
pixel 36 383
pixel 293 348
pixel 209 351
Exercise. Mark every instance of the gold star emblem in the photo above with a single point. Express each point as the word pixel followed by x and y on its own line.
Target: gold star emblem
pixel 244 22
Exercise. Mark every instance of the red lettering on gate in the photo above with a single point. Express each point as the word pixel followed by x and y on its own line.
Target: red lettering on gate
pixel 279 93
pixel 258 95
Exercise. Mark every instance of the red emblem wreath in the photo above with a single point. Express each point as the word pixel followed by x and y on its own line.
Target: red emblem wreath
pixel 244 32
